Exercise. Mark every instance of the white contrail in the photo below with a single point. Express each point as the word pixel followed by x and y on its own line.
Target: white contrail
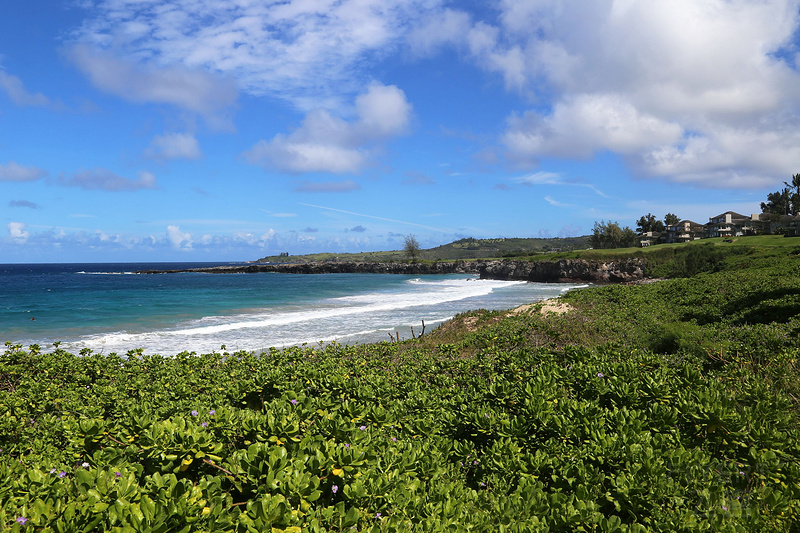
pixel 377 218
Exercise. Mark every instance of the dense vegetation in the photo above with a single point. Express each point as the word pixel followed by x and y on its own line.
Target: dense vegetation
pixel 670 406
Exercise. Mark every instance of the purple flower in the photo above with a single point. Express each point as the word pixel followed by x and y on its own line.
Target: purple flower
pixel 724 508
pixel 53 471
pixel 294 402
pixel 347 446
pixel 85 465
pixel 394 439
pixel 204 424
pixel 195 413
pixel 212 412
pixel 335 489
pixel 62 474
pixel 362 428
pixel 600 375
pixel 22 520
pixel 117 474
pixel 482 484
pixel 378 515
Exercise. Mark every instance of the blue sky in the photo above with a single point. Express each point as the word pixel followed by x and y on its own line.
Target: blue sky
pixel 135 130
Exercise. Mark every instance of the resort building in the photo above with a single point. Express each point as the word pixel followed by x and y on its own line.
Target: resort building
pixel 648 238
pixel 727 224
pixel 684 231
pixel 730 224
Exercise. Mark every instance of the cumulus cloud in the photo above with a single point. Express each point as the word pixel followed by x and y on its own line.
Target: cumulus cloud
pixel 694 91
pixel 580 126
pixel 52 243
pixel 325 143
pixel 12 171
pixel 358 229
pixel 179 239
pixel 191 89
pixel 173 146
pixel 101 179
pixel 17 232
pixel 308 53
pixel 448 26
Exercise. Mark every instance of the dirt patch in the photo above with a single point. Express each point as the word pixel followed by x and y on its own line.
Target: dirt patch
pixel 552 305
pixel 471 323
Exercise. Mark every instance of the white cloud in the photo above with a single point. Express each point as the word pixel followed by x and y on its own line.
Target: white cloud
pixel 52 243
pixel 694 91
pixel 101 179
pixel 17 232
pixel 18 94
pixel 541 178
pixel 552 201
pixel 191 89
pixel 12 171
pixel 728 157
pixel 325 143
pixel 584 124
pixel 310 53
pixel 446 27
pixel 179 239
pixel 553 178
pixel 173 146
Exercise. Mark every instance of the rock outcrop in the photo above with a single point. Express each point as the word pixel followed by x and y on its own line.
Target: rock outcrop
pixel 564 270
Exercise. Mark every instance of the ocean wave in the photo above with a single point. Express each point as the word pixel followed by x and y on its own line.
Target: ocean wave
pixel 105 273
pixel 365 317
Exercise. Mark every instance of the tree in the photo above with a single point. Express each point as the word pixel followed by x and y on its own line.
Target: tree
pixel 649 222
pixel 786 201
pixel 794 196
pixel 671 219
pixel 611 235
pixel 411 248
pixel 778 203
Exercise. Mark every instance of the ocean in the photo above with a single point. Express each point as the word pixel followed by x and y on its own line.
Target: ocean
pixel 109 309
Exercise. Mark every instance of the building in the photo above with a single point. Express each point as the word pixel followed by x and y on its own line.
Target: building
pixel 647 238
pixel 727 224
pixel 684 231
pixel 730 224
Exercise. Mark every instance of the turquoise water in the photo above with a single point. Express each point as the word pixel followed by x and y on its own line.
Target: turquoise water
pixel 107 308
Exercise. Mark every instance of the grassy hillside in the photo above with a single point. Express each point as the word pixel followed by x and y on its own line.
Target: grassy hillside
pixel 461 249
pixel 671 406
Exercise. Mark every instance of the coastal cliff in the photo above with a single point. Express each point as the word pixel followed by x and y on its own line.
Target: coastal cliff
pixel 623 271
pixel 564 270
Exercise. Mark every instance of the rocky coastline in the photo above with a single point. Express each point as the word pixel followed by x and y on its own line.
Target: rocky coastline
pixel 564 270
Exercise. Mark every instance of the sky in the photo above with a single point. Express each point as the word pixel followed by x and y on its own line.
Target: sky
pixel 229 130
